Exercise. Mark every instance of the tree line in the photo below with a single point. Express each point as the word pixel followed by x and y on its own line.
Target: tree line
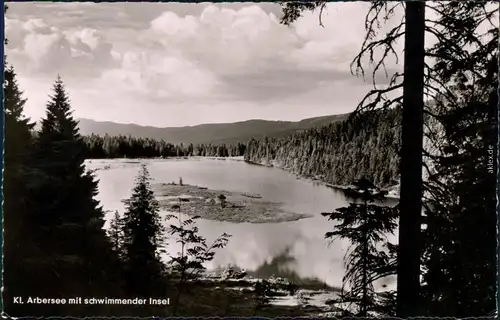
pixel 338 153
pixel 103 147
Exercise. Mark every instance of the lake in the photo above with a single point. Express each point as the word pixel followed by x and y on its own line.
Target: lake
pixel 295 248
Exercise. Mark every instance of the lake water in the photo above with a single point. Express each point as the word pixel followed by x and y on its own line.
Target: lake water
pixel 297 247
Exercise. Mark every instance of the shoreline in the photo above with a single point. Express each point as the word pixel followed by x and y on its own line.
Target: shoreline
pixel 238 158
pixel 391 195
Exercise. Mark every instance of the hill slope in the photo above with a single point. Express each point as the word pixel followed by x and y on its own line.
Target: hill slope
pixel 214 133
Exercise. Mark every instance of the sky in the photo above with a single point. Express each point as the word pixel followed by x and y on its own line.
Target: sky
pixel 173 64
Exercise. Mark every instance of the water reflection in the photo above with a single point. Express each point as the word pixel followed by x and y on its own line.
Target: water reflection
pixel 293 249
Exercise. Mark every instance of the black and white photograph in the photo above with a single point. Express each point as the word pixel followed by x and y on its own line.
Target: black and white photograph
pixel 250 159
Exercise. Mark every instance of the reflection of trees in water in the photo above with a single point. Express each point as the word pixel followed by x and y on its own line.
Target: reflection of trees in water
pixel 281 266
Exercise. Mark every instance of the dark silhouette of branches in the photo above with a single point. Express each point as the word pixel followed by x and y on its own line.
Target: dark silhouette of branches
pixel 455 67
pixel 450 52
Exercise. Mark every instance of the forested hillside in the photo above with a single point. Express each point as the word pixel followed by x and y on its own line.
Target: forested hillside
pixel 338 153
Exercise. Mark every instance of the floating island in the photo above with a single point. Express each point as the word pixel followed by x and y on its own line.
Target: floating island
pixel 221 205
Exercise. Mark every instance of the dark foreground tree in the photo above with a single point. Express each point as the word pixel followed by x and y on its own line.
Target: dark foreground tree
pixel 365 224
pixel 143 240
pixel 412 135
pixel 412 129
pixel 455 30
pixel 18 244
pixel 460 257
pixel 68 218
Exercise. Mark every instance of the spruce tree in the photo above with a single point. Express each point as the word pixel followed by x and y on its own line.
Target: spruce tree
pixel 412 30
pixel 365 225
pixel 115 232
pixel 69 218
pixel 460 53
pixel 460 258
pixel 17 141
pixel 18 245
pixel 460 273
pixel 143 239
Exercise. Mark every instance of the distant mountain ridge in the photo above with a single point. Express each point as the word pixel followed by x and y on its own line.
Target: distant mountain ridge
pixel 228 133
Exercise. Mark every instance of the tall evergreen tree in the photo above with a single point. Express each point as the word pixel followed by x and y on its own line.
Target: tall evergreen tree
pixel 18 245
pixel 69 219
pixel 17 138
pixel 143 239
pixel 460 256
pixel 412 135
pixel 412 123
pixel 455 29
pixel 115 232
pixel 462 218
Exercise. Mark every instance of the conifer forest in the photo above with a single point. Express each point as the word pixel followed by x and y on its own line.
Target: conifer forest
pixel 416 159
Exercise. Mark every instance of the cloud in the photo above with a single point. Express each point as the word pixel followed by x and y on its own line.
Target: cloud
pixel 255 56
pixel 36 47
pixel 181 57
pixel 160 77
pixel 226 40
pixel 277 84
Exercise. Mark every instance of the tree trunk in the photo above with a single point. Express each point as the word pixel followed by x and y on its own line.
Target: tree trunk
pixel 364 306
pixel 408 272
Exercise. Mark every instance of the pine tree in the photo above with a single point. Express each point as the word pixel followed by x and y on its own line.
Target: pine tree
pixel 17 139
pixel 18 244
pixel 461 216
pixel 115 232
pixel 365 224
pixel 462 221
pixel 69 219
pixel 412 30
pixel 143 239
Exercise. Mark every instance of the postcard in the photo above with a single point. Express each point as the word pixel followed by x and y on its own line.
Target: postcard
pixel 250 159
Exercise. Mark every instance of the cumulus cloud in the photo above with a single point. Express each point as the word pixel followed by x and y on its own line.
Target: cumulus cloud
pixel 160 76
pixel 203 56
pixel 226 40
pixel 36 47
